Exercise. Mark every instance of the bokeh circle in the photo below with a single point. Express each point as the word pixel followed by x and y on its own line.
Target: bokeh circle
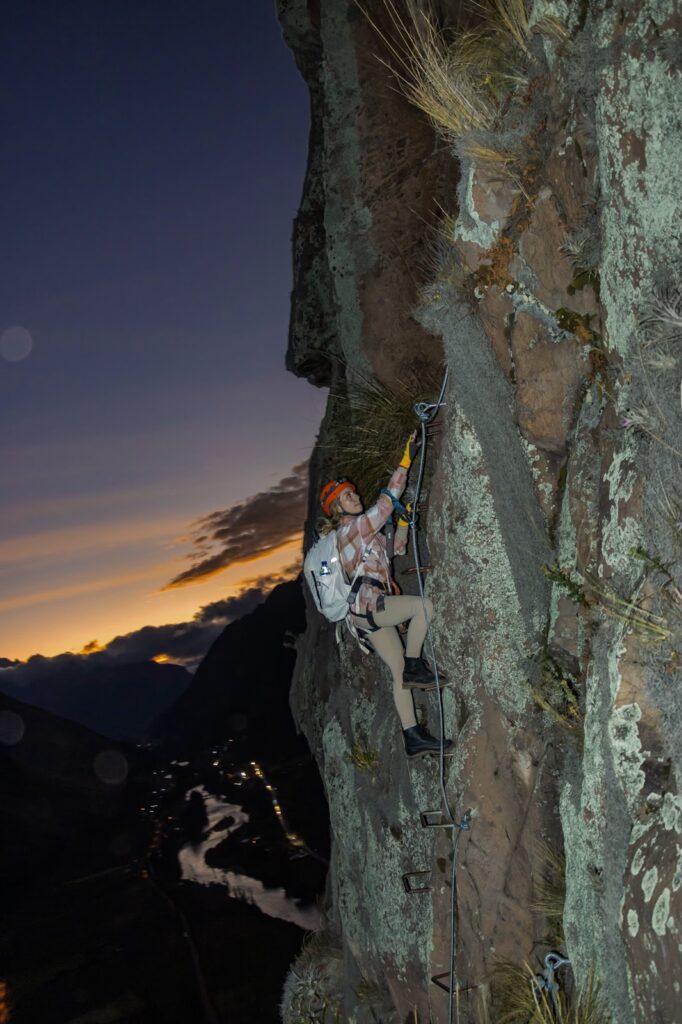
pixel 12 728
pixel 15 343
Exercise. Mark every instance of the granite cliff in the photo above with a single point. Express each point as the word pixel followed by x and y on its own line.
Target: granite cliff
pixel 536 251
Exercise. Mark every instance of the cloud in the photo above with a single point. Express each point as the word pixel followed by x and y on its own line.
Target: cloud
pixel 186 642
pixel 253 593
pixel 91 647
pixel 183 643
pixel 258 526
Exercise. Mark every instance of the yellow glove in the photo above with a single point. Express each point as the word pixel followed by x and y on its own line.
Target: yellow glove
pixel 402 521
pixel 411 448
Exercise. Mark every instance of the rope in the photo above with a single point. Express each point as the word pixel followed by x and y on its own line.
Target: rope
pixel 427 413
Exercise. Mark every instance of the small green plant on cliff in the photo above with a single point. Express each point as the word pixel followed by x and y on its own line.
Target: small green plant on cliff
pixel 669 592
pixel 656 564
pixel 372 424
pixel 659 354
pixel 578 324
pixel 583 250
pixel 591 592
pixel 557 693
pixel 362 756
pixel 312 990
pixel 378 1001
pixel 564 578
pixel 663 317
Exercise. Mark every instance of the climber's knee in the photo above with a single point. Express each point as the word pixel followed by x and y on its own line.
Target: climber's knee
pixel 428 608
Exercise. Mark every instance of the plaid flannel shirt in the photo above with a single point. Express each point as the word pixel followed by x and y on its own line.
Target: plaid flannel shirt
pixel 357 531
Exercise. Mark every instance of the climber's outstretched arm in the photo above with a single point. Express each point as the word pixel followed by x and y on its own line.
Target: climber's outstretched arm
pixel 371 521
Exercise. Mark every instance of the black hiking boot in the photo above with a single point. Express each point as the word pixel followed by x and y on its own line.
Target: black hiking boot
pixel 419 741
pixel 418 676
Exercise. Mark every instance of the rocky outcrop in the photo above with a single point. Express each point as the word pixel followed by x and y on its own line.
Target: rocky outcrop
pixel 554 515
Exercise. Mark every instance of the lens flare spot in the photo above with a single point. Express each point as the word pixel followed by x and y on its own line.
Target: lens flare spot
pixel 12 728
pixel 15 343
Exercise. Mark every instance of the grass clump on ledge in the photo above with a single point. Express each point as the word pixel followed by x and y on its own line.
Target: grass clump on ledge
pixel 461 79
pixel 549 890
pixel 558 694
pixel 312 990
pixel 436 75
pixel 372 422
pixel 364 756
pixel 519 1000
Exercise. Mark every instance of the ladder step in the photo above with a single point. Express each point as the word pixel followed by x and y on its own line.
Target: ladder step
pixel 446 988
pixel 407 882
pixel 434 819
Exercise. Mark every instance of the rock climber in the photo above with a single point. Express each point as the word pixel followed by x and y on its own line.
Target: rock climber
pixel 378 606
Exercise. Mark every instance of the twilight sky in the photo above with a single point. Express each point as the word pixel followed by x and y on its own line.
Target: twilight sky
pixel 154 159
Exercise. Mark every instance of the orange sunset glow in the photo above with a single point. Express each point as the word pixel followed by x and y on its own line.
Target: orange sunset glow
pixel 86 614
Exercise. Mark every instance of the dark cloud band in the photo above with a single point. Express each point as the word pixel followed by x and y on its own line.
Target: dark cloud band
pixel 251 529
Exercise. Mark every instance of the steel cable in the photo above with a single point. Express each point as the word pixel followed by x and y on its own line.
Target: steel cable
pixel 427 414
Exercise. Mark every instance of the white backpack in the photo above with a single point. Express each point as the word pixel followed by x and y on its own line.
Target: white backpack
pixel 326 579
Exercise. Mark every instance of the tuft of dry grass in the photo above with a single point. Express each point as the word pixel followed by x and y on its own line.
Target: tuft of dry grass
pixel 583 249
pixel 461 80
pixel 663 316
pixel 312 991
pixel 509 19
pixel 372 424
pixel 553 28
pixel 484 154
pixel 549 889
pixel 444 79
pixel 591 592
pixel 645 625
pixel 519 1000
pixel 440 262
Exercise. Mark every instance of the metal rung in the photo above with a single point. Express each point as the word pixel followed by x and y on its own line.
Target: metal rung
pixel 446 988
pixel 411 889
pixel 427 820
pixel 423 568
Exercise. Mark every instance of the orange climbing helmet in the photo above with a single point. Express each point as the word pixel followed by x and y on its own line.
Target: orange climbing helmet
pixel 332 490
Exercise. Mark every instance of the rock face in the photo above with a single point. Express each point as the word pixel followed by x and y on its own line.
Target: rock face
pixel 554 506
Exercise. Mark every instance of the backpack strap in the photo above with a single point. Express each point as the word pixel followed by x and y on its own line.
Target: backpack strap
pixel 356 582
